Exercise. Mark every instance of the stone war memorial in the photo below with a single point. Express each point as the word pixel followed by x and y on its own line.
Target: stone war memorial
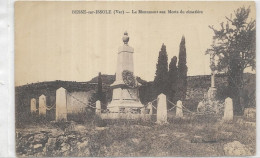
pixel 135 79
pixel 125 96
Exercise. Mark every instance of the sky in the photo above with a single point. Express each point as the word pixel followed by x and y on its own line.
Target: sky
pixel 51 43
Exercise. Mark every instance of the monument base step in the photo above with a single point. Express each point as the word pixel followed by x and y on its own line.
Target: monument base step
pixel 126 106
pixel 127 116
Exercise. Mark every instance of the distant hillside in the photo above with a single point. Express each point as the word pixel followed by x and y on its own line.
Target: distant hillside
pixel 106 79
pixel 197 87
pixel 49 88
pixel 202 81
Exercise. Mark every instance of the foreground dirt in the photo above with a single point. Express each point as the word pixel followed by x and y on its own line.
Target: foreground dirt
pixel 200 136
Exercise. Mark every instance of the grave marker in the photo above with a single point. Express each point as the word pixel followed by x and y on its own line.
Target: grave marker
pixel 98 107
pixel 42 105
pixel 150 107
pixel 201 107
pixel 161 109
pixel 228 110
pixel 61 104
pixel 179 112
pixel 33 105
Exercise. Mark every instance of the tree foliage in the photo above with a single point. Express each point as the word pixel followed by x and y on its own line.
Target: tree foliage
pixel 182 71
pixel 161 75
pixel 234 43
pixel 173 78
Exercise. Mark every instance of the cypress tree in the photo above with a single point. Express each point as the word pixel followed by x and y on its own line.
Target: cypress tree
pixel 182 71
pixel 161 75
pixel 99 88
pixel 173 78
pixel 100 95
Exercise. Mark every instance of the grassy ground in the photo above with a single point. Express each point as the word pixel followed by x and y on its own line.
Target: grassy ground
pixel 192 136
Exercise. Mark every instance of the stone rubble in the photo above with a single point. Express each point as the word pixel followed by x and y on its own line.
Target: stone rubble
pixel 235 148
pixel 44 144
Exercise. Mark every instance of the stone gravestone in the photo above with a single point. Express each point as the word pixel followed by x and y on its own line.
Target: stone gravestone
pixel 228 110
pixel 179 112
pixel 161 109
pixel 150 107
pixel 250 113
pixel 201 107
pixel 61 104
pixel 42 105
pixel 98 107
pixel 143 111
pixel 33 105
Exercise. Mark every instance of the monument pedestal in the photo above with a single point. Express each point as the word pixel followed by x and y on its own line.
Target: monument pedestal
pixel 212 93
pixel 124 98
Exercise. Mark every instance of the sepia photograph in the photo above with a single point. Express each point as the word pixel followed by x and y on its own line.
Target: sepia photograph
pixel 139 79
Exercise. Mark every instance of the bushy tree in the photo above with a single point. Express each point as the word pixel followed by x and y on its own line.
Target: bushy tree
pixel 173 78
pixel 182 71
pixel 161 75
pixel 235 44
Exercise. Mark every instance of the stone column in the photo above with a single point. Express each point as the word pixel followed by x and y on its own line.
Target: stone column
pixel 212 63
pixel 150 107
pixel 179 112
pixel 42 105
pixel 33 105
pixel 212 90
pixel 228 110
pixel 61 104
pixel 98 107
pixel 161 109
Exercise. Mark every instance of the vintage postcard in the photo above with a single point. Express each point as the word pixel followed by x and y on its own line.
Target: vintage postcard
pixel 102 79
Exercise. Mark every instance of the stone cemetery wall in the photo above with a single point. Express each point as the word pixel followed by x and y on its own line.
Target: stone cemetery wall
pixel 78 101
